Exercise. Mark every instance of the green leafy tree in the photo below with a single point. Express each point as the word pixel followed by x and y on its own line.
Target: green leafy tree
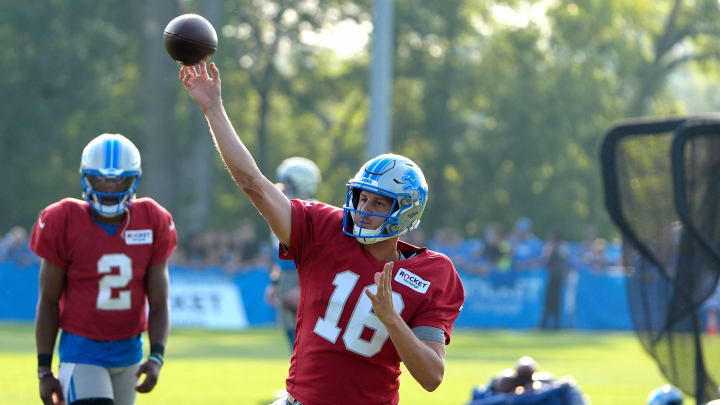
pixel 67 77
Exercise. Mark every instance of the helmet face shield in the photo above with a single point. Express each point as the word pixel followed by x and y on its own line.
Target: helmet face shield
pixel 109 173
pixel 367 224
pixel 110 185
pixel 392 176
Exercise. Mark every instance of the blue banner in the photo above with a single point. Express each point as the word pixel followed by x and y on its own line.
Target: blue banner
pixel 19 291
pixel 508 300
pixel 502 300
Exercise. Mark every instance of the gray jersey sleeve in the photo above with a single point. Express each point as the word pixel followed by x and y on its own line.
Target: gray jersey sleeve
pixel 429 333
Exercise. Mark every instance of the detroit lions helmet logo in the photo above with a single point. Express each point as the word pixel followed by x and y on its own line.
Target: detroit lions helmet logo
pixel 412 182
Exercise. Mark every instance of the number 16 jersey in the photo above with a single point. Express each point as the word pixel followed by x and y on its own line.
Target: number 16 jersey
pixel 343 353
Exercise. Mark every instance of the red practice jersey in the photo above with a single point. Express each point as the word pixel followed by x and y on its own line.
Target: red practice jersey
pixel 103 297
pixel 343 353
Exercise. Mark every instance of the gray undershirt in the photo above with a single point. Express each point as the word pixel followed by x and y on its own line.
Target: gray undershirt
pixel 429 333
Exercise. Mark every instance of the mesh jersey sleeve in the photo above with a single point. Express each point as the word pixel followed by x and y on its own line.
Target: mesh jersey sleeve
pixel 46 239
pixel 165 242
pixel 313 223
pixel 447 300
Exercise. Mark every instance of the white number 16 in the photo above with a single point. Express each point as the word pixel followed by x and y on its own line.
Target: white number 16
pixel 362 316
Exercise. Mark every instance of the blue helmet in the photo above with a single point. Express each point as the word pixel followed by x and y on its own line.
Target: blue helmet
pixel 110 156
pixel 665 395
pixel 393 176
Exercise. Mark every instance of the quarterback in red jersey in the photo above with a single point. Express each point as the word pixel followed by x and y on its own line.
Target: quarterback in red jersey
pixel 367 300
pixel 101 259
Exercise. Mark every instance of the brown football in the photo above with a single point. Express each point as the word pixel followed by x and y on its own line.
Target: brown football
pixel 190 39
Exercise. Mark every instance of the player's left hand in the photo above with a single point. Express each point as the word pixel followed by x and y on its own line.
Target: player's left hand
pixel 382 301
pixel 151 370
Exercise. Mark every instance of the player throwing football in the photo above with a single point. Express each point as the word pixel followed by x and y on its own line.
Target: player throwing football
pixel 367 300
pixel 101 259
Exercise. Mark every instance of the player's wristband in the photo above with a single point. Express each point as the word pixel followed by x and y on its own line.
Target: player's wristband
pixel 156 358
pixel 44 373
pixel 157 348
pixel 44 360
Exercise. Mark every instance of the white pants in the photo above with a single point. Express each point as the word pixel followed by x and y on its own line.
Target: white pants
pixel 84 381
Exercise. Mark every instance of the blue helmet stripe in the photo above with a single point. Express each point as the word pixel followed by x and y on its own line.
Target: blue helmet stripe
pixel 367 174
pixel 382 166
pixel 372 169
pixel 116 154
pixel 374 164
pixel 377 167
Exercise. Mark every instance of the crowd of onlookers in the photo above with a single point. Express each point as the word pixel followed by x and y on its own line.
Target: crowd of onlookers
pixel 232 250
pixel 519 249
pixel 499 250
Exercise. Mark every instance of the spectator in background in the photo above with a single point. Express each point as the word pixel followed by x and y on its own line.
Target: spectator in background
pixel 595 254
pixel 465 253
pixel 14 247
pixel 595 258
pixel 525 247
pixel 554 259
pixel 496 251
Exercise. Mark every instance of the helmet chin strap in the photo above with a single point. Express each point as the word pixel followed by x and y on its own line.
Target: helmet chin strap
pixel 127 222
pixel 109 211
pixel 373 232
pixel 368 232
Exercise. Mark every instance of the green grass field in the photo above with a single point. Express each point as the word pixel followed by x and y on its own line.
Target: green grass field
pixel 205 367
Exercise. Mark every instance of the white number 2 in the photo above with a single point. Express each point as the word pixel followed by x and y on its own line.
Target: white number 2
pixel 361 317
pixel 120 280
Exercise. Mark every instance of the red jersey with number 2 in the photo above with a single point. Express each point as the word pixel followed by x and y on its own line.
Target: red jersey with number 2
pixel 343 353
pixel 103 297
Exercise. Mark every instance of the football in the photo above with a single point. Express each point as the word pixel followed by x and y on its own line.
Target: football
pixel 190 39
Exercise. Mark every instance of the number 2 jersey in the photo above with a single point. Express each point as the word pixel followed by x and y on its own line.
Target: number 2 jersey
pixel 103 297
pixel 343 353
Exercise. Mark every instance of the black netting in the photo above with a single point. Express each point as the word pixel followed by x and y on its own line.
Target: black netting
pixel 696 165
pixel 667 269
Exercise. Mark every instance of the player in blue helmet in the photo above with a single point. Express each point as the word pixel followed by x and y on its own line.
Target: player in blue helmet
pixel 396 178
pixel 110 163
pixel 105 259
pixel 297 177
pixel 368 301
pixel 665 395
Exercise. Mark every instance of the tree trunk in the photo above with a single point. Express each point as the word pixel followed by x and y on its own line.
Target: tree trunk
pixel 158 72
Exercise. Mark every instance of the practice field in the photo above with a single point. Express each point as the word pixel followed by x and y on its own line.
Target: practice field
pixel 204 367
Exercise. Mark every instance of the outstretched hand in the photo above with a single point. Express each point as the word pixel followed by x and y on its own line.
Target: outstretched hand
pixel 151 370
pixel 382 302
pixel 203 88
